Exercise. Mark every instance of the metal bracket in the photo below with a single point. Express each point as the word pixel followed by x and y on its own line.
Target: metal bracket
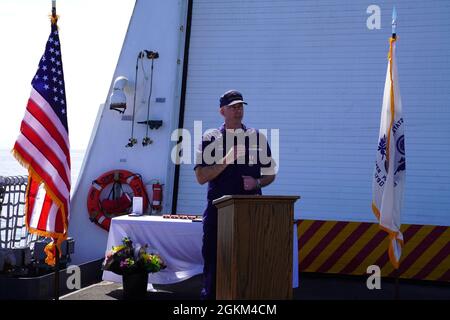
pixel 153 124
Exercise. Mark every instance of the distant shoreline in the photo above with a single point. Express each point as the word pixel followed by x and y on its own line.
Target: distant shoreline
pixel 9 166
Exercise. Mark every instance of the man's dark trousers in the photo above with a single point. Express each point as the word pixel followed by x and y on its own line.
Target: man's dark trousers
pixel 209 252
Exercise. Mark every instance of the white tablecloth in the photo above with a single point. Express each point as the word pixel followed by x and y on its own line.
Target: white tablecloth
pixel 178 241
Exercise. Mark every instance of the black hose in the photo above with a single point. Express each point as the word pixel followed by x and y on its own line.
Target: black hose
pixel 148 104
pixel 132 140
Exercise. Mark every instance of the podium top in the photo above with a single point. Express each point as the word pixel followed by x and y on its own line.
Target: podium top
pixel 254 198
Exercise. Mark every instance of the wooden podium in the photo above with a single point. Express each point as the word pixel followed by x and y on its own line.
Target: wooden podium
pixel 254 247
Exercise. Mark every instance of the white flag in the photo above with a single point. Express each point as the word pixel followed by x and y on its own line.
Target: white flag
pixel 389 173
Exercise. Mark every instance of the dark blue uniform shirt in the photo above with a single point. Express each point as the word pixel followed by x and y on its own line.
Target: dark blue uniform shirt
pixel 230 181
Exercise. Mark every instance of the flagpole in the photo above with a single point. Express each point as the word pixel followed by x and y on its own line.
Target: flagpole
pixel 56 247
pixel 396 287
pixel 56 273
pixel 394 23
pixel 394 36
pixel 53 8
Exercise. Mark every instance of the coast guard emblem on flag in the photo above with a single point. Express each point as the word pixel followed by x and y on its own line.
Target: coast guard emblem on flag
pixel 390 164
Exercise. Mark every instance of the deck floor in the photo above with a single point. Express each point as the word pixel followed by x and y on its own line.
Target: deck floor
pixel 312 287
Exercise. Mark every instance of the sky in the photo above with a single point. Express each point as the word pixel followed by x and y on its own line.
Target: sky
pixel 91 35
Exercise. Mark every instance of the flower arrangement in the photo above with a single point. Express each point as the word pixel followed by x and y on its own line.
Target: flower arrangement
pixel 128 259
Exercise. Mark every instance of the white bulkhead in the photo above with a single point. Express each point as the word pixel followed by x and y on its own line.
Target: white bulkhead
pixel 312 70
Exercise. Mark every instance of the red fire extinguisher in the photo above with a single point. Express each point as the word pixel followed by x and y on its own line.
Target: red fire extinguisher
pixel 157 196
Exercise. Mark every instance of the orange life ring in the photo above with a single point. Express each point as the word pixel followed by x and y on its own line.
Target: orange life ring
pixel 97 214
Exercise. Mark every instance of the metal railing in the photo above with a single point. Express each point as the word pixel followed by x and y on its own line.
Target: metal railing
pixel 13 230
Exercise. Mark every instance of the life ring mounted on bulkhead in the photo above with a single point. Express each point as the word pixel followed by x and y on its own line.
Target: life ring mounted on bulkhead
pixel 101 211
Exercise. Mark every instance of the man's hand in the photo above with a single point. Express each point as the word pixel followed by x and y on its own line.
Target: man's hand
pixel 249 183
pixel 237 152
pixel 208 173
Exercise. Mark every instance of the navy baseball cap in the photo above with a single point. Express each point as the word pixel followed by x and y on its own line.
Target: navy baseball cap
pixel 230 98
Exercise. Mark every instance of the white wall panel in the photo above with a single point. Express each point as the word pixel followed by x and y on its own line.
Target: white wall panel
pixel 314 70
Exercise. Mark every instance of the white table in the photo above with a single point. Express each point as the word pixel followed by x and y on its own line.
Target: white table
pixel 178 241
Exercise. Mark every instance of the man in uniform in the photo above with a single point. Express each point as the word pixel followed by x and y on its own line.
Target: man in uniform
pixel 234 160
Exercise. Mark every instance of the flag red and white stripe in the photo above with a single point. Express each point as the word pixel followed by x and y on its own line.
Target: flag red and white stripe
pixel 43 147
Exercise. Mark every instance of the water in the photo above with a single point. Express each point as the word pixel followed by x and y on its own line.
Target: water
pixel 9 166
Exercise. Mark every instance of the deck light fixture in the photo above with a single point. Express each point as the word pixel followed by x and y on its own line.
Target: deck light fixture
pixel 118 100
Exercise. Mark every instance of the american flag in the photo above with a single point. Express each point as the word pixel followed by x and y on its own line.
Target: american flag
pixel 43 146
